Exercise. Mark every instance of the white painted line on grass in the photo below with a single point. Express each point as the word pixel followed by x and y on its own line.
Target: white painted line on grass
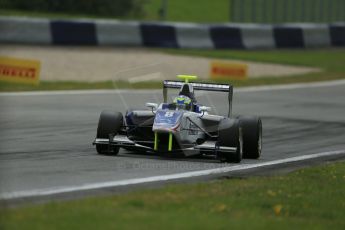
pixel 145 78
pixel 117 91
pixel 111 184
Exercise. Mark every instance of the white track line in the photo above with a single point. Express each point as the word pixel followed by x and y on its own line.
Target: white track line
pixel 110 91
pixel 110 184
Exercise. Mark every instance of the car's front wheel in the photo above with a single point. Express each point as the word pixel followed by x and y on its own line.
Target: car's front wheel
pixel 109 123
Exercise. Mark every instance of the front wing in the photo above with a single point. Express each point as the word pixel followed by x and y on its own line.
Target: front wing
pixel 209 147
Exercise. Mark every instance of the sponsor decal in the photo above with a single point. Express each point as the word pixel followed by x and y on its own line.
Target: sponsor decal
pixel 201 86
pixel 166 120
pixel 19 70
pixel 228 70
pixel 193 129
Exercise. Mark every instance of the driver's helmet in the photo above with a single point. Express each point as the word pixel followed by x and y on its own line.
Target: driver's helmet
pixel 183 102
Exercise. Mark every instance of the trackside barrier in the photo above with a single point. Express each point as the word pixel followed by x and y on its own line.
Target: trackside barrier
pixel 171 35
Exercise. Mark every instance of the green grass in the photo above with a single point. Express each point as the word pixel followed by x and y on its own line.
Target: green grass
pixel 72 85
pixel 51 15
pixel 178 10
pixel 330 60
pixel 220 10
pixel 310 198
pixel 190 11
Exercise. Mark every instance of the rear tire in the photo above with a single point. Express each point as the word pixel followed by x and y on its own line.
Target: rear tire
pixel 230 135
pixel 109 123
pixel 252 136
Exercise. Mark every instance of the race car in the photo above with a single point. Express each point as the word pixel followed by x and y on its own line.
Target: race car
pixel 182 126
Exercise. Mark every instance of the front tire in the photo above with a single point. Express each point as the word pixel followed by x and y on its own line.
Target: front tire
pixel 230 135
pixel 110 122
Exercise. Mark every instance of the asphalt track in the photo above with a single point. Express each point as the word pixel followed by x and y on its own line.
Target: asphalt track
pixel 46 137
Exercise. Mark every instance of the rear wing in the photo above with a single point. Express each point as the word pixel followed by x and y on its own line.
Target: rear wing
pixel 200 86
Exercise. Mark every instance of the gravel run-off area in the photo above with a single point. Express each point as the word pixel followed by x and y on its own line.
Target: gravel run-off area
pixel 91 64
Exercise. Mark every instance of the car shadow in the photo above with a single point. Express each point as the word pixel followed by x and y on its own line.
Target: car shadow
pixel 164 157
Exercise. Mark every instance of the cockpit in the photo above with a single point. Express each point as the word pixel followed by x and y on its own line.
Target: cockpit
pixel 185 99
pixel 174 106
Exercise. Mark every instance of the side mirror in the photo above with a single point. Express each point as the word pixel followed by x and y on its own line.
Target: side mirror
pixel 153 106
pixel 205 109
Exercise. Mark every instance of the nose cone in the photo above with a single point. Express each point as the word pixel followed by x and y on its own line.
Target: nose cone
pixel 167 121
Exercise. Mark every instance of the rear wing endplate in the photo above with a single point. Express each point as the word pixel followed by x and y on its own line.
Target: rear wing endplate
pixel 200 86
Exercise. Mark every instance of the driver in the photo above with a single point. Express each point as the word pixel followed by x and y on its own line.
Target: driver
pixel 183 102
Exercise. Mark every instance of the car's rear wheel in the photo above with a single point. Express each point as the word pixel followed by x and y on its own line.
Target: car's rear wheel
pixel 230 135
pixel 109 123
pixel 252 136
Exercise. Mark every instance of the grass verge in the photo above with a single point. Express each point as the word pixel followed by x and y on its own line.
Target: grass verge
pixel 311 198
pixel 75 85
pixel 216 11
pixel 330 60
pixel 178 10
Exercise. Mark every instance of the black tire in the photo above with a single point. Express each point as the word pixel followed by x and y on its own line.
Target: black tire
pixel 230 135
pixel 109 123
pixel 252 136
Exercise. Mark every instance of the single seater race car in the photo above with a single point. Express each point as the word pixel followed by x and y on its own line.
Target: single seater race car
pixel 183 126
